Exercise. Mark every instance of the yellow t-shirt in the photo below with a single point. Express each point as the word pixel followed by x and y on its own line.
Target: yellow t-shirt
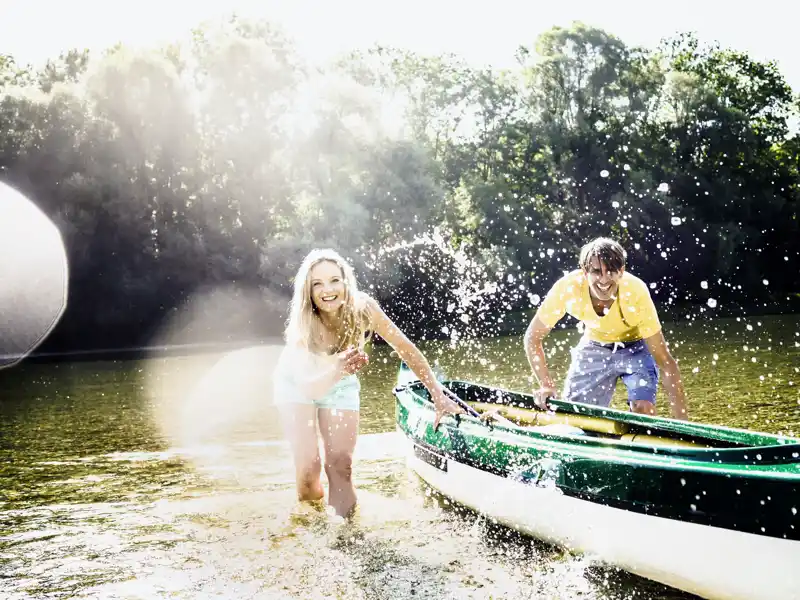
pixel 631 317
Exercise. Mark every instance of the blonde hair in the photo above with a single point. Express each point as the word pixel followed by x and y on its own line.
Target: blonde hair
pixel 304 326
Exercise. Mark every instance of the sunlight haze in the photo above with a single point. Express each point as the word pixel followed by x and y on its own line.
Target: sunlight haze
pixel 34 30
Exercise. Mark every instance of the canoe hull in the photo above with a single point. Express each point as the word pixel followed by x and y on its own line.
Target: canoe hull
pixel 711 562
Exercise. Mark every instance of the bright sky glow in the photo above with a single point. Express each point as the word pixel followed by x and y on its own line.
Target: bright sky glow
pixel 33 30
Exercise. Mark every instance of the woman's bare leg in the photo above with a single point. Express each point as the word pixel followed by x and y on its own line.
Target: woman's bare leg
pixel 339 431
pixel 300 427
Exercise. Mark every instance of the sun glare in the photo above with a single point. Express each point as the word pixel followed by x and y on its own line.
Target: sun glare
pixel 323 30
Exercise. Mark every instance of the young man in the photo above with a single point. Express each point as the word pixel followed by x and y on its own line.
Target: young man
pixel 622 335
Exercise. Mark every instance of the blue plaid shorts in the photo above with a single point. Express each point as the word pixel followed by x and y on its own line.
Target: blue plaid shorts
pixel 595 368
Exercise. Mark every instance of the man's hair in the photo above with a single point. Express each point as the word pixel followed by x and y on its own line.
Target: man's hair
pixel 607 251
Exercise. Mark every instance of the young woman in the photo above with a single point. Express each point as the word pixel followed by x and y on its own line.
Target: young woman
pixel 315 381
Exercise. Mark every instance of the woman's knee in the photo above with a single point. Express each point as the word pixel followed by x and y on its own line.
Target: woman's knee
pixel 339 463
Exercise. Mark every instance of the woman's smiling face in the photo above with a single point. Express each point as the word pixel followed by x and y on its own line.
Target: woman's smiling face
pixel 328 290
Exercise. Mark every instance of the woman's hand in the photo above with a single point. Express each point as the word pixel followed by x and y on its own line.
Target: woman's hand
pixel 444 405
pixel 352 360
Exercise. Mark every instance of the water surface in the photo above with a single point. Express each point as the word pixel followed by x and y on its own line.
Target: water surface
pixel 98 500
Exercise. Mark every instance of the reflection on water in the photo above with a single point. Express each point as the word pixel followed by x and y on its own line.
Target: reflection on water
pixel 96 503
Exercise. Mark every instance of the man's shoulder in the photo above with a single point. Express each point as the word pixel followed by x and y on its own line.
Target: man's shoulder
pixel 633 288
pixel 632 282
pixel 570 278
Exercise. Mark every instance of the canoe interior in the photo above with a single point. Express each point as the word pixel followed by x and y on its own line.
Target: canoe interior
pixel 588 424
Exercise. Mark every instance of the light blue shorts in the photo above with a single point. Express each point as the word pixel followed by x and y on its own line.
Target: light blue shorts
pixel 344 395
pixel 596 367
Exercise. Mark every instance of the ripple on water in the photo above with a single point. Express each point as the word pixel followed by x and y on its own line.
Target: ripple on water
pixel 252 542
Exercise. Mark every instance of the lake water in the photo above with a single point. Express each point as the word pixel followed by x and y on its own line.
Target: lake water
pixel 101 498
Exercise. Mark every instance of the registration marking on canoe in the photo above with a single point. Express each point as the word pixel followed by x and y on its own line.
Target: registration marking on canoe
pixel 435 460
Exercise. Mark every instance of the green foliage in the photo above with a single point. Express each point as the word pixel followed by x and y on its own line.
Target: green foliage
pixel 225 159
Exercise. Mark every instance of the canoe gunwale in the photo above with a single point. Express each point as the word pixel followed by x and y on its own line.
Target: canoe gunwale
pixel 773 449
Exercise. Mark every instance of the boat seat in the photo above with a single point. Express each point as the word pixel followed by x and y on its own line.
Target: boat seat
pixel 532 417
pixel 655 440
pixel 558 429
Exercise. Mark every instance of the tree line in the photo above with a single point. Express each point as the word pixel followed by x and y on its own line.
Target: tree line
pixel 459 192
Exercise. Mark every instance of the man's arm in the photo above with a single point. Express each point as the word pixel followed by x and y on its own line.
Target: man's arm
pixel 673 384
pixel 534 349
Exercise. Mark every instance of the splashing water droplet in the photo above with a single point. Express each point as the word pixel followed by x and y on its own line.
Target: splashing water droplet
pixel 623 223
pixel 604 173
pixel 663 187
pixel 712 303
pixel 675 221
pixel 704 285
pixel 765 281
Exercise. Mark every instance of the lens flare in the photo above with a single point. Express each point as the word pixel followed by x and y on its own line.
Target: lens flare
pixel 209 378
pixel 33 276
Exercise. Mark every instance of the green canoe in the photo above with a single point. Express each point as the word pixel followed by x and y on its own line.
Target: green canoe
pixel 706 509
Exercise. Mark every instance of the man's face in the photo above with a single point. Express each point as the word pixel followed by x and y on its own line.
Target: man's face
pixel 603 284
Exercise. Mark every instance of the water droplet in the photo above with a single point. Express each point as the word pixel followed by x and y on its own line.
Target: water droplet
pixel 683 481
pixel 615 204
pixel 765 281
pixel 711 303
pixel 716 356
pixel 623 223
pixel 675 221
pixel 663 187
pixel 704 285
pixel 604 173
